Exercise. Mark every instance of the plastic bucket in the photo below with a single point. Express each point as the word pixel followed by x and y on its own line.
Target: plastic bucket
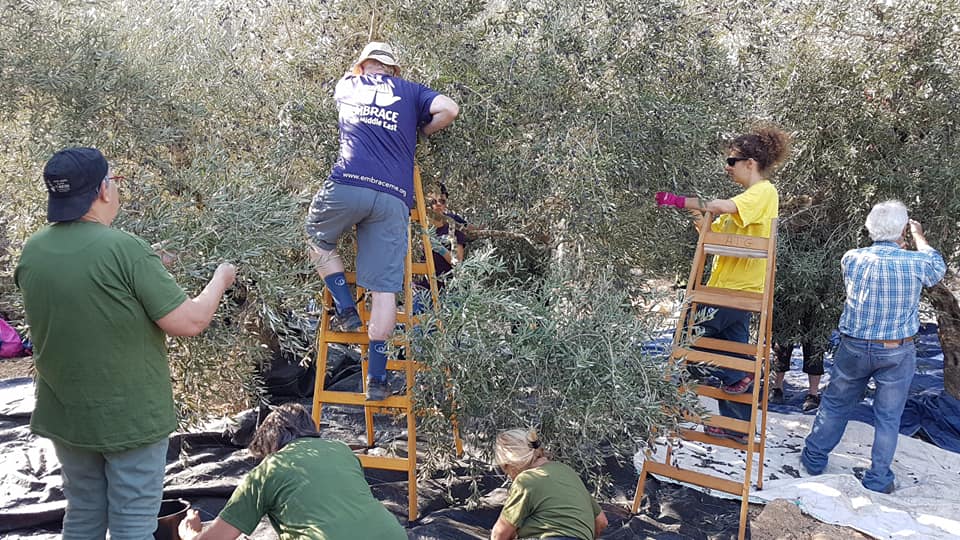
pixel 172 512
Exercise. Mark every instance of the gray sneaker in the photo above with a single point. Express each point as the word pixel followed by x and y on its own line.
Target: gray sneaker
pixel 377 390
pixel 347 321
pixel 776 395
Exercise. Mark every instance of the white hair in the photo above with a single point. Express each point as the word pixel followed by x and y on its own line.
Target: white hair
pixel 518 448
pixel 887 221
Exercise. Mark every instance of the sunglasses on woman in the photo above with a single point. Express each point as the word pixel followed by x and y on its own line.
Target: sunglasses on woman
pixel 732 161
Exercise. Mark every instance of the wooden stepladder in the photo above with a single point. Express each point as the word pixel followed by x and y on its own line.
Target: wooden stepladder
pixel 727 354
pixel 393 404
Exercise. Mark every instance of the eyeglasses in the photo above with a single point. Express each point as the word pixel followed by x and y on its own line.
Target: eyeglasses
pixel 732 161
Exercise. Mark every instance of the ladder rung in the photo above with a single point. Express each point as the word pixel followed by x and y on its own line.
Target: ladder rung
pixel 715 296
pixel 695 478
pixel 384 462
pixel 358 398
pixel 699 436
pixel 714 359
pixel 724 345
pixel 740 426
pixel 735 245
pixel 716 393
pixel 419 268
pixel 401 365
pixel 355 338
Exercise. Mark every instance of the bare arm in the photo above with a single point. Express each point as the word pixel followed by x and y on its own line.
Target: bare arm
pixel 444 110
pixel 503 530
pixel 599 524
pixel 194 315
pixel 190 529
pixel 716 206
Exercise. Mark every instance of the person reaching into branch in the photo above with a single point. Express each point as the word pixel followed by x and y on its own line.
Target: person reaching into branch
pixel 547 498
pixel 371 186
pixel 751 158
pixel 880 316
pixel 100 306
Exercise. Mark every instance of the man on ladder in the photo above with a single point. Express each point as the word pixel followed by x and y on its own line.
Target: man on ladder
pixel 371 186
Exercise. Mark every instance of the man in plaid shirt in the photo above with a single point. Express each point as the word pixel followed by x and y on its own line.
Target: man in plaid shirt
pixel 880 317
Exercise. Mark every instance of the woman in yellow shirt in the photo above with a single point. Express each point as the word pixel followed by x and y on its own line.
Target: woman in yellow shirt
pixel 751 158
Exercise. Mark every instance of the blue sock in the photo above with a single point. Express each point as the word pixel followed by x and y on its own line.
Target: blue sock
pixel 377 362
pixel 337 285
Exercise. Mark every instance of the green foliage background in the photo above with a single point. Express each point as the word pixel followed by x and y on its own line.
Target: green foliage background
pixel 573 114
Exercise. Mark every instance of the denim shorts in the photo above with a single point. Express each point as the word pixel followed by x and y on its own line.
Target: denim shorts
pixel 382 222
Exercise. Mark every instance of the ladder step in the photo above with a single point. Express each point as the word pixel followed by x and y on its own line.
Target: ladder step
pixel 715 296
pixel 401 365
pixel 353 338
pixel 699 436
pixel 716 393
pixel 740 426
pixel 735 347
pixel 735 245
pixel 695 478
pixel 384 462
pixel 358 398
pixel 420 269
pixel 714 359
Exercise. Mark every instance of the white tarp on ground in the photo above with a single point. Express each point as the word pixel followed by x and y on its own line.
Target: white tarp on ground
pixel 926 503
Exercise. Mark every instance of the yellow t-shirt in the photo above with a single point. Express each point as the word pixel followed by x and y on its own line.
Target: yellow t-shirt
pixel 756 208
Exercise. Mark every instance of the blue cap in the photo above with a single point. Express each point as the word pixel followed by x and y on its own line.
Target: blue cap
pixel 73 177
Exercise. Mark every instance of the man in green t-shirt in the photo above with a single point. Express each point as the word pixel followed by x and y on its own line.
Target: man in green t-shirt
pixel 100 305
pixel 307 486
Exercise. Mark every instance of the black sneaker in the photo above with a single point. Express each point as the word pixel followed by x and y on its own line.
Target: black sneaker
pixel 811 402
pixel 347 321
pixel 776 395
pixel 377 390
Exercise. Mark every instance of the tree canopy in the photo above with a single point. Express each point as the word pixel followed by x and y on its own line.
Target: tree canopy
pixel 573 114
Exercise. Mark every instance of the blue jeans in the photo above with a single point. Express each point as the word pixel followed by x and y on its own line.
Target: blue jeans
pixel 853 364
pixel 731 325
pixel 119 490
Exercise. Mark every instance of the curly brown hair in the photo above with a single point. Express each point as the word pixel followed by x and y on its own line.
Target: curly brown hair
pixel 285 424
pixel 767 145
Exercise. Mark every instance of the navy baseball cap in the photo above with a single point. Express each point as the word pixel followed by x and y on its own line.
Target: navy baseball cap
pixel 73 177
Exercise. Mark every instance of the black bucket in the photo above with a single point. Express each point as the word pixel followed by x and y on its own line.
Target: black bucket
pixel 172 512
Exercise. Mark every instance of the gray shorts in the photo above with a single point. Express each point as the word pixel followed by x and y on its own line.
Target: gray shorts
pixel 382 221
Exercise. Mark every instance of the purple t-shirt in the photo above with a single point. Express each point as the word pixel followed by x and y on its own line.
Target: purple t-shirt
pixel 379 117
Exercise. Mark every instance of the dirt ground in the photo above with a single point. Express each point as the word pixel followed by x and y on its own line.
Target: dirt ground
pixel 11 368
pixel 782 520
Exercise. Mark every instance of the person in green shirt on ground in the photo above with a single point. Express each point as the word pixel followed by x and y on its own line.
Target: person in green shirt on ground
pixel 309 488
pixel 547 498
pixel 100 304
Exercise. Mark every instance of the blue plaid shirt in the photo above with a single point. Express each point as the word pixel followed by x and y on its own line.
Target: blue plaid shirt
pixel 883 284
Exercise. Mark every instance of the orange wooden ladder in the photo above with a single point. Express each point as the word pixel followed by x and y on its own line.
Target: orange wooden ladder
pixel 698 294
pixel 402 403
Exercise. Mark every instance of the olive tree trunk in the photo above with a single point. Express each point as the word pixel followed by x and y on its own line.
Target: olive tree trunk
pixel 948 319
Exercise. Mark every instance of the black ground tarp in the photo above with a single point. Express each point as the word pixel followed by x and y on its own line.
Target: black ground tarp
pixel 204 468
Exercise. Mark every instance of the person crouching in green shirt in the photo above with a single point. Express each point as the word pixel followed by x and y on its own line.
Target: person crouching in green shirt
pixel 547 498
pixel 309 488
pixel 100 306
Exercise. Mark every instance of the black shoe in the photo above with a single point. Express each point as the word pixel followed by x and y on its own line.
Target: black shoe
pixel 811 402
pixel 347 321
pixel 377 390
pixel 776 395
